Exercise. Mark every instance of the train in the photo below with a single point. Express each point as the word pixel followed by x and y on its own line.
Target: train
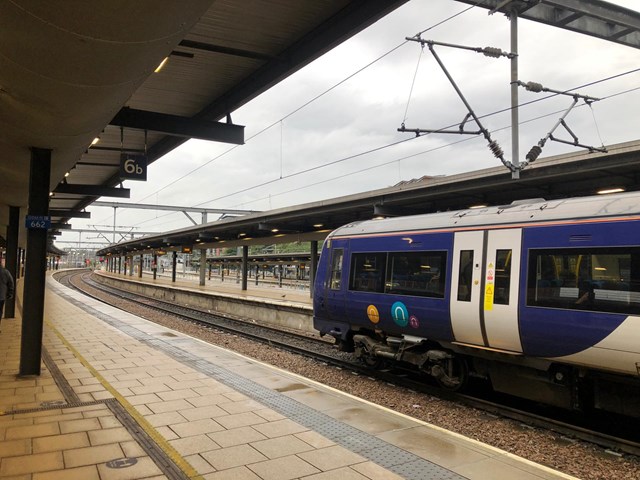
pixel 539 298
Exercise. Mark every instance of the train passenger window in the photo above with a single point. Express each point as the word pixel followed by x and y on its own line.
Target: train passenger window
pixel 336 269
pixel 597 279
pixel 465 275
pixel 367 272
pixel 416 273
pixel 503 277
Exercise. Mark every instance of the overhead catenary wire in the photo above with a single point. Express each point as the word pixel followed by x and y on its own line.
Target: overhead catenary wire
pixel 335 86
pixel 343 159
pixel 309 102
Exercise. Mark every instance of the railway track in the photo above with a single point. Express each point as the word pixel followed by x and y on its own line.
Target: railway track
pixel 324 352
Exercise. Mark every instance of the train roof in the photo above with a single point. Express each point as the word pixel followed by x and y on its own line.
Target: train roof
pixel 516 213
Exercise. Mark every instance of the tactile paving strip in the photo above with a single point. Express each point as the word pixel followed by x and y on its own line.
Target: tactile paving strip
pixel 401 462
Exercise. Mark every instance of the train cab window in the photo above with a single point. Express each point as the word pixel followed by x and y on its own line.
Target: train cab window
pixel 598 279
pixel 465 275
pixel 416 273
pixel 335 280
pixel 367 272
pixel 503 277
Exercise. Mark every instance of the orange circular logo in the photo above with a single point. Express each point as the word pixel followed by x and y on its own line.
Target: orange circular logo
pixel 372 313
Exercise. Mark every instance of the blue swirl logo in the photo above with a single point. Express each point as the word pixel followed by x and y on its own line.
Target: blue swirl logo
pixel 400 314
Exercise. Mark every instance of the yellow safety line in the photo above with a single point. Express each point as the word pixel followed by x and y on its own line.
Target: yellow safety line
pixel 166 447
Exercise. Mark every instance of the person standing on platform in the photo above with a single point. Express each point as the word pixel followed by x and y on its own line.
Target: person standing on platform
pixel 6 288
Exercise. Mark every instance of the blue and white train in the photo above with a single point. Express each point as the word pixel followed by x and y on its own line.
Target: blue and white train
pixel 540 297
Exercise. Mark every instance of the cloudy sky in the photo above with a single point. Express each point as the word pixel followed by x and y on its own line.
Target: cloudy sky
pixel 346 141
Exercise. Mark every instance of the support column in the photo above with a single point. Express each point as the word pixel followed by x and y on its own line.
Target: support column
pixel 119 264
pixel 131 265
pixel 11 262
pixel 203 265
pixel 155 265
pixel 174 262
pixel 245 264
pixel 36 263
pixel 313 267
pixel 140 268
pixel 515 133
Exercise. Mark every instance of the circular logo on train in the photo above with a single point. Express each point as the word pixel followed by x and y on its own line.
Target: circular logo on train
pixel 400 314
pixel 373 314
pixel 414 322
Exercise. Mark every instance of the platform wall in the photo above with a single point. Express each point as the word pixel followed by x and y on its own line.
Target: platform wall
pixel 271 312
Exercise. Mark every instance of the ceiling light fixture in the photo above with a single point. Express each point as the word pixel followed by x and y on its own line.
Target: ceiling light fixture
pixel 162 64
pixel 606 191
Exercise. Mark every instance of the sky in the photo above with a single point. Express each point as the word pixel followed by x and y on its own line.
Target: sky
pixel 330 129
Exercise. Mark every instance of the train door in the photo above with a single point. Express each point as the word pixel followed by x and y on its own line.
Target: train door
pixel 466 291
pixel 335 285
pixel 501 293
pixel 484 294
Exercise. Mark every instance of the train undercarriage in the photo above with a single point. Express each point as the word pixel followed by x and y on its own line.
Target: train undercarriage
pixel 539 380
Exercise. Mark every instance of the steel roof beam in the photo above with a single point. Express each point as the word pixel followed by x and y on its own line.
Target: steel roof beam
pixel 596 18
pixel 92 190
pixel 173 208
pixel 177 126
pixel 69 214
pixel 208 47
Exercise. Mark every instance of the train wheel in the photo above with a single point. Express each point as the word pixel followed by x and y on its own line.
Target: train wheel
pixel 372 361
pixel 451 374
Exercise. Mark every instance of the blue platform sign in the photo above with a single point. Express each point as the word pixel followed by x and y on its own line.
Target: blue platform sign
pixel 40 222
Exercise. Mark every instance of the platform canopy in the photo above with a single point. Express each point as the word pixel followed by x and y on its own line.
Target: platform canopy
pixel 74 71
pixel 590 173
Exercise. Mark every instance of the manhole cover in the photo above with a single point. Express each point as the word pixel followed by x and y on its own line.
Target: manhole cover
pixel 122 462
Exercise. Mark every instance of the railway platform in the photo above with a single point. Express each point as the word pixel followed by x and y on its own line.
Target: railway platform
pixel 281 307
pixel 123 398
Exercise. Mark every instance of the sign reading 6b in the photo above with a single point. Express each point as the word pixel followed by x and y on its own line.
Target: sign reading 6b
pixel 133 167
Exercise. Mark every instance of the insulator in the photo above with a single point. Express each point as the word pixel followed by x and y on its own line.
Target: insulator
pixel 534 153
pixel 492 52
pixel 533 87
pixel 495 148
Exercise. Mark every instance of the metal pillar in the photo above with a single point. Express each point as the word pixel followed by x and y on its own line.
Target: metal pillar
pixel 203 265
pixel 36 262
pixel 515 133
pixel 155 266
pixel 174 261
pixel 119 264
pixel 313 267
pixel 140 268
pixel 245 265
pixel 131 265
pixel 11 261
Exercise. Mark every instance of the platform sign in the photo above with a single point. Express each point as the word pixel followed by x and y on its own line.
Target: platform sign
pixel 38 222
pixel 161 252
pixel 186 249
pixel 133 167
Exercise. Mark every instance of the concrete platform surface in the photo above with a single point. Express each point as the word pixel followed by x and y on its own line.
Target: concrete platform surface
pixel 122 398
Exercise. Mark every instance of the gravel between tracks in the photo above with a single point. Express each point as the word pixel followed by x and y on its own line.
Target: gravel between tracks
pixel 547 448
